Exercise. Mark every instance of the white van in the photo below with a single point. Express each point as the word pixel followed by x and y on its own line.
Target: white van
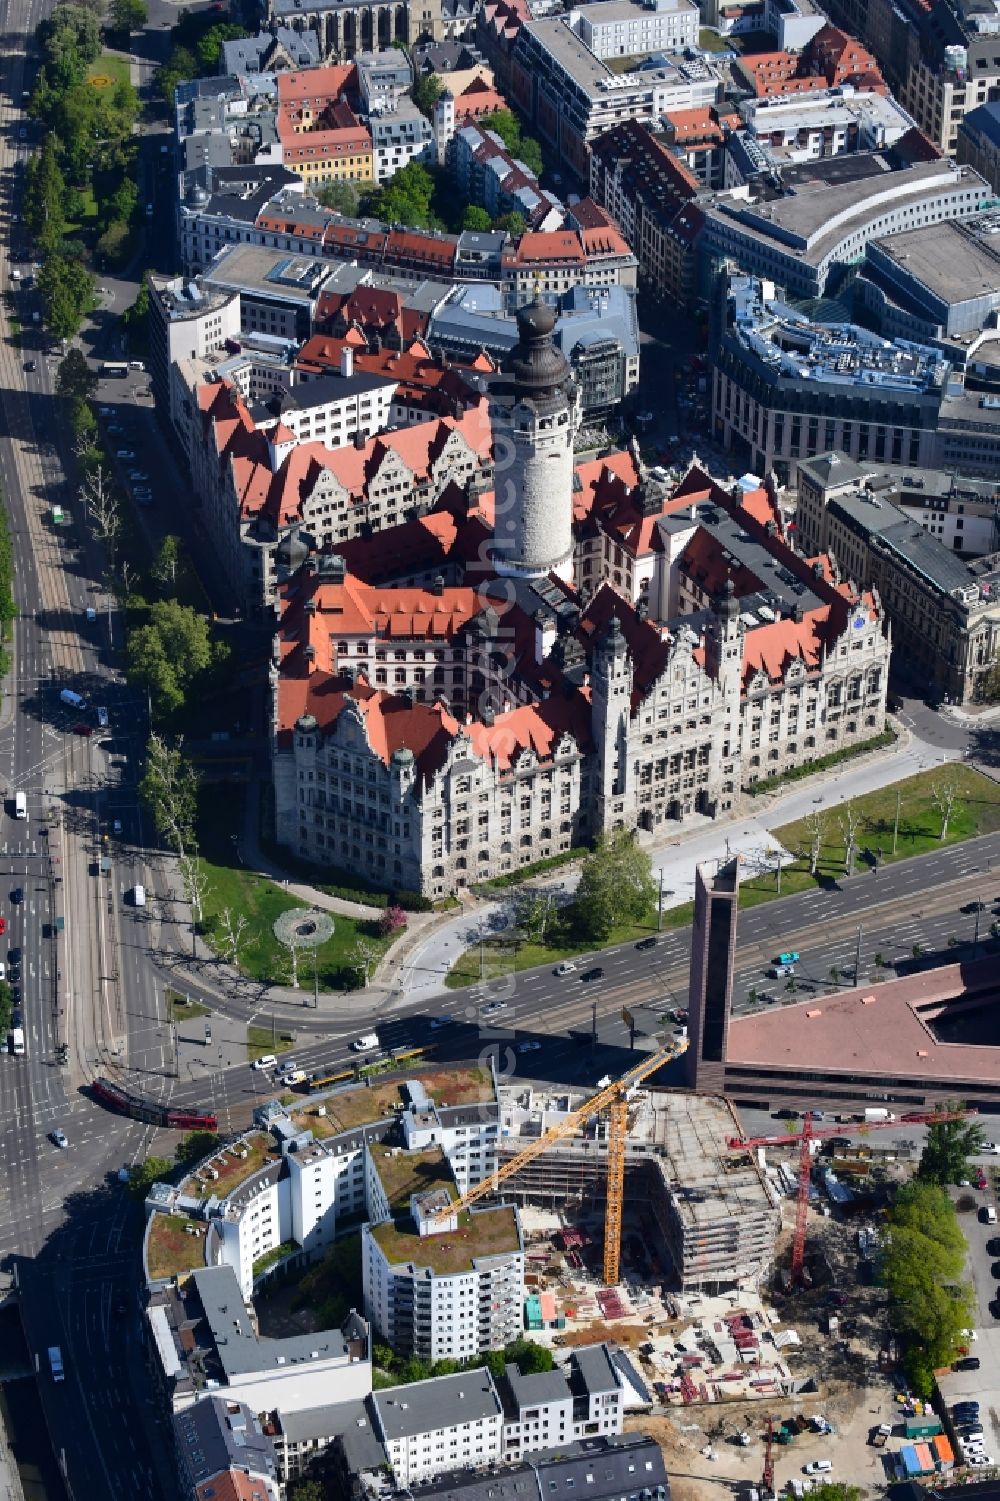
pixel 268 1060
pixel 20 805
pixel 991 1215
pixel 138 896
pixel 17 1042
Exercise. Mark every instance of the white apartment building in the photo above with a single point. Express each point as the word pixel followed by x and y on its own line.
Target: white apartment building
pixel 400 135
pixel 186 323
pixel 442 1297
pixel 635 28
pixel 432 1427
pixel 547 1410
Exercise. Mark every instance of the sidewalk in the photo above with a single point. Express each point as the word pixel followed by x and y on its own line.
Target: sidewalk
pixel 747 832
pixel 253 858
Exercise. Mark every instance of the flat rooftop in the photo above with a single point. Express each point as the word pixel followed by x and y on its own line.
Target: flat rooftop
pixel 571 52
pixel 948 259
pixel 889 1029
pixel 290 277
pixel 824 207
pixel 481 1233
pixel 607 12
pixel 405 1173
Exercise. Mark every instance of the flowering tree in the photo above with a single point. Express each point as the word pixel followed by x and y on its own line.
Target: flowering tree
pixel 393 920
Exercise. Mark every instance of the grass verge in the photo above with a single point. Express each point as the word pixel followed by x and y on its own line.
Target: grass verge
pixel 183 1009
pixel 261 902
pixel 976 812
pixel 262 1041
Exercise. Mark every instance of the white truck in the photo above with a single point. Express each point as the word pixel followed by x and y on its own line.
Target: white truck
pixel 367 1043
pixel 20 805
pixel 878 1113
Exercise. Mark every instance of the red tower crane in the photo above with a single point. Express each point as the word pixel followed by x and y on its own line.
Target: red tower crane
pixel 767 1478
pixel 805 1138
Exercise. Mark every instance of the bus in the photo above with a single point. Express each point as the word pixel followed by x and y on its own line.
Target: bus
pixel 20 805
pixel 114 370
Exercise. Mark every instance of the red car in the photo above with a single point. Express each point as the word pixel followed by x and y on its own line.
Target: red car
pixel 980 1180
pixel 3 925
pixel 83 729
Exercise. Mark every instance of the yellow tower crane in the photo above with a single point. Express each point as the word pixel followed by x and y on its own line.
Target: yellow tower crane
pixel 611 1098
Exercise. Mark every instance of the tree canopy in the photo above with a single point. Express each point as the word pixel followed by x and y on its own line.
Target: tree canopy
pixel 170 652
pixel 69 41
pixel 45 195
pixel 476 218
pixel 406 198
pixel 128 15
pixel 921 1266
pixel 508 127
pixel 169 788
pixel 426 92
pixel 142 1175
pixel 67 292
pixel 616 886
pixel 949 1145
pixel 74 376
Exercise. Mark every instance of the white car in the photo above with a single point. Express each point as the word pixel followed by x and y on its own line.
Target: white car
pixel 59 1138
pixel 818 1467
pixel 993 1147
pixel 493 1007
pixel 565 968
pixel 968 1334
pixel 124 453
pixel 980 1461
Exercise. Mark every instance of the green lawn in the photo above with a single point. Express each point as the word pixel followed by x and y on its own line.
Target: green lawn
pixel 109 66
pixel 182 1009
pixel 711 41
pixel 976 812
pixel 264 1040
pixel 261 902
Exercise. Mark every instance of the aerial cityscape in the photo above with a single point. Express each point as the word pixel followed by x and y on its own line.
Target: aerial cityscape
pixel 500 732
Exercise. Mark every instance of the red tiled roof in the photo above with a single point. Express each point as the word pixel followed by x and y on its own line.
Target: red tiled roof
pixel 232 1485
pixel 316 85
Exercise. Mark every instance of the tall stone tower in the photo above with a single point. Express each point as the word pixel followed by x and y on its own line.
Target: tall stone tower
pixel 611 702
pixel 534 419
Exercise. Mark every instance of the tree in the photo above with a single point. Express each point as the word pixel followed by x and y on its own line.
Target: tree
pixel 816 831
pixel 74 376
pixel 836 1490
pixel 944 796
pixel 135 319
pixel 196 1146
pixel 208 48
pixel 616 886
pixel 128 15
pixel 164 567
pixel 45 195
pixel 69 41
pixel 476 218
pixel 101 506
pixel 512 223
pixel 364 957
pixel 6 1008
pixel 169 788
pixel 342 197
pixel 524 148
pixel 113 246
pixel 142 1175
pixel 406 199
pixel 170 652
pixel 83 423
pixel 233 933
pixel 849 822
pixel 67 292
pixel 306 1489
pixel 196 887
pixel 921 1265
pixel 392 921
pixel 949 1145
pixel 178 68
pixel 426 92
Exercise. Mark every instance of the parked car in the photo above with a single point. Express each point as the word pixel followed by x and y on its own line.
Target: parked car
pixel 968 1363
pixel 124 453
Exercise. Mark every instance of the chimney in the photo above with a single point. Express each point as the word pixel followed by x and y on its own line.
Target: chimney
pixel 487 716
pixel 359 440
pixel 438 586
pixel 817 569
pixel 347 361
pixel 798 614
